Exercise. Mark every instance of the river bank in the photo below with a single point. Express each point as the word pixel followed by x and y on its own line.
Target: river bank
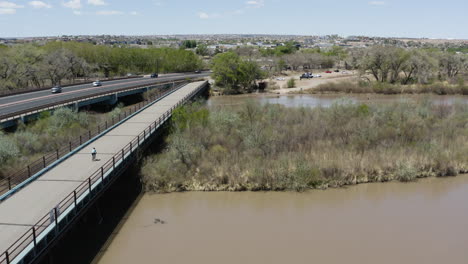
pixel 418 222
pixel 269 147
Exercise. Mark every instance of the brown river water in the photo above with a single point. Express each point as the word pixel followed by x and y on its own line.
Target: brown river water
pixel 325 100
pixel 419 222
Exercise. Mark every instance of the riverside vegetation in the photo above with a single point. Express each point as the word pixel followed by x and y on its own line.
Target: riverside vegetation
pixel 49 132
pixel 272 147
pixel 360 87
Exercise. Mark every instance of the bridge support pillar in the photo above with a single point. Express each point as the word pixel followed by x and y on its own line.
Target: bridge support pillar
pixel 114 99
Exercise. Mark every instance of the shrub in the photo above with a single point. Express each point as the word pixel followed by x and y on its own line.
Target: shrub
pixel 8 148
pixel 291 83
pixel 270 147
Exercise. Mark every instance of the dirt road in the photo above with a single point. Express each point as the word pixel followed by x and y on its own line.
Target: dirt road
pixel 306 84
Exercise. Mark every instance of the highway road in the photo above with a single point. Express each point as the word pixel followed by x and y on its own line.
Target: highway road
pixel 17 103
pixel 22 210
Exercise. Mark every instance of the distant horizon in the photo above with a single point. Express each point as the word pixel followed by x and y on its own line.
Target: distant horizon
pixel 428 19
pixel 228 34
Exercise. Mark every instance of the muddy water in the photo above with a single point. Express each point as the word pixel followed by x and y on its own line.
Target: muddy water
pixel 422 222
pixel 309 100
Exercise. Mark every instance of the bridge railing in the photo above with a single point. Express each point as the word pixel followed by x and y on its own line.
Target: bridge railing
pixel 51 220
pixel 25 173
pixel 4 93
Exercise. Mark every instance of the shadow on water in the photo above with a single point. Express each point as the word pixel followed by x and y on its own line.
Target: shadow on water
pixel 93 232
pixel 86 238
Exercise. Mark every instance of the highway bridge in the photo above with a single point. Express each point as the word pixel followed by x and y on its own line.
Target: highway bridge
pixel 35 216
pixel 28 105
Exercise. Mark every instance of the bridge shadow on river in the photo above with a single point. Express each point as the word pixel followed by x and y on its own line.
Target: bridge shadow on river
pixel 95 229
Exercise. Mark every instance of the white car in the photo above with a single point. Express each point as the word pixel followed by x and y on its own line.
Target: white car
pixel 317 75
pixel 97 83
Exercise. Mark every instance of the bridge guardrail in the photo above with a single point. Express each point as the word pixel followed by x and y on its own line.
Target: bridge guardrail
pixel 52 220
pixel 29 90
pixel 20 176
pixel 11 116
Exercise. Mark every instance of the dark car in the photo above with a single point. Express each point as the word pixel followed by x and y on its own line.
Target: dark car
pixel 337 70
pixel 56 89
pixel 154 75
pixel 306 75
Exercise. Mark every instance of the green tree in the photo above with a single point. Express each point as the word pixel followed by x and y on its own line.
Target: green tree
pixel 233 73
pixel 202 50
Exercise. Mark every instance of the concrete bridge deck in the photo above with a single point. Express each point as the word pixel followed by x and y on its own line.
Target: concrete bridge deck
pixel 22 210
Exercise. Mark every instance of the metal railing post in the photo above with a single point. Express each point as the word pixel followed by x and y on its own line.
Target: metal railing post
pixel 123 154
pixel 102 174
pixel 99 129
pixel 131 146
pixel 81 142
pixel 43 161
pixel 29 171
pixel 70 145
pixel 7 257
pixel 74 197
pixel 56 216
pixel 9 183
pixel 34 236
pixel 89 134
pixel 57 154
pixel 113 162
pixel 89 184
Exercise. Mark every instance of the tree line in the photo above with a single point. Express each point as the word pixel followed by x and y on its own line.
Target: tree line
pixel 23 66
pixel 384 64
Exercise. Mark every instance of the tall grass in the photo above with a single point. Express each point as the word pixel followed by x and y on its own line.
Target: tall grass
pixel 276 148
pixel 30 141
pixel 387 88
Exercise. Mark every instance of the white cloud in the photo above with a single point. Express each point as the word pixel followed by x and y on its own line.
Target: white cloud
pixel 78 13
pixel 73 4
pixel 158 3
pixel 109 13
pixel 238 12
pixel 97 2
pixel 39 4
pixel 8 8
pixel 204 15
pixel 9 5
pixel 376 3
pixel 134 13
pixel 7 11
pixel 255 3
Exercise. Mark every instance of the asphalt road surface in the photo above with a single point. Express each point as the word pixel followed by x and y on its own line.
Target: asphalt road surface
pixel 17 103
pixel 23 209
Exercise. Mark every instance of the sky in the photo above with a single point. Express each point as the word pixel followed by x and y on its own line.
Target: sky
pixel 384 18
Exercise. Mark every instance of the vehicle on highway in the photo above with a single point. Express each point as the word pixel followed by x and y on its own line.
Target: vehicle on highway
pixel 154 75
pixel 328 72
pixel 97 83
pixel 337 70
pixel 197 71
pixel 56 89
pixel 306 75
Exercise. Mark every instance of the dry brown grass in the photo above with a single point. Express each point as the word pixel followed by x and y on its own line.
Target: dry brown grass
pixel 276 148
pixel 386 88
